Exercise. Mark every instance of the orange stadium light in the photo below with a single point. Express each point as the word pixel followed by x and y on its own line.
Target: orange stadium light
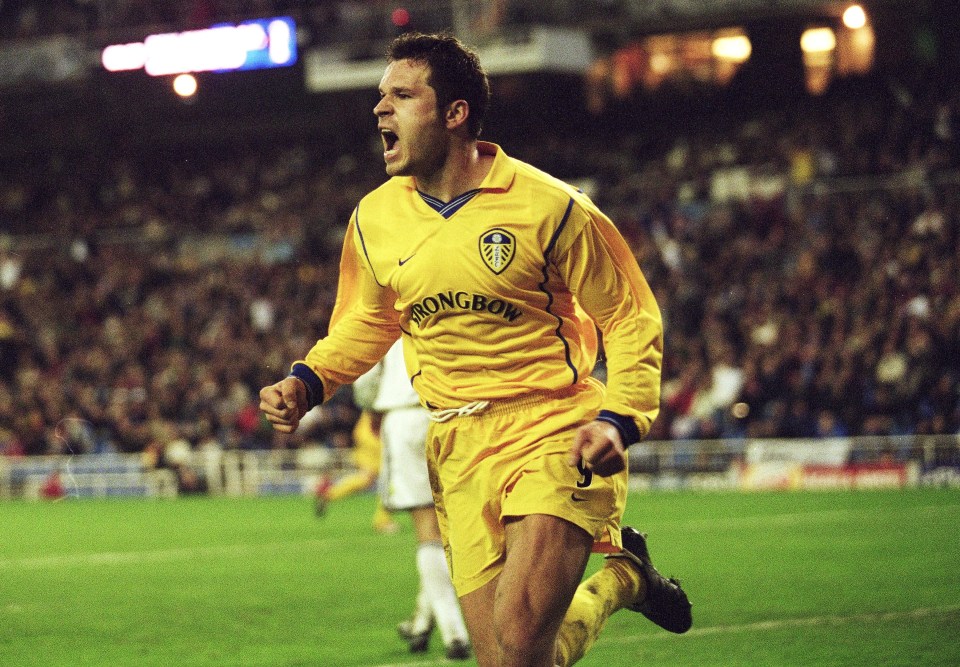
pixel 735 48
pixel 185 85
pixel 818 40
pixel 854 17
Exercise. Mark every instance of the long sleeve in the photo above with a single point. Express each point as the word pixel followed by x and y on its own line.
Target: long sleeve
pixel 603 274
pixel 363 326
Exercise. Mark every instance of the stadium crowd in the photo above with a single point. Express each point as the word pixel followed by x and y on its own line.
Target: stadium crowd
pixel 806 262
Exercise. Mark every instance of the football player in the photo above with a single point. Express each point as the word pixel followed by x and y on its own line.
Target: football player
pixel 497 277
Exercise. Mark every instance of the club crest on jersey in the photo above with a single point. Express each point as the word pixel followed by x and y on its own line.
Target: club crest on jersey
pixel 497 248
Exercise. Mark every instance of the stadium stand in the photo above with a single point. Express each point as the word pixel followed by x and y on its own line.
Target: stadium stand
pixel 805 258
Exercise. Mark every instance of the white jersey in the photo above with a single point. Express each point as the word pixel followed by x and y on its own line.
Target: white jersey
pixel 395 390
pixel 385 388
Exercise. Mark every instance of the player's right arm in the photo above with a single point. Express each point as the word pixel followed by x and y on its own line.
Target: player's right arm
pixel 284 404
pixel 363 326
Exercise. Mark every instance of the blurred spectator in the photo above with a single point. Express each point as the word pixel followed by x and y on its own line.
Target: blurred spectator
pixel 806 264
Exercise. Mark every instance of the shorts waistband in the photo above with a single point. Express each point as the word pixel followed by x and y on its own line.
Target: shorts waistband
pixel 504 406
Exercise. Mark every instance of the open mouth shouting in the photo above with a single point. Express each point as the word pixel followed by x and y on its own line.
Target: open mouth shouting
pixel 390 144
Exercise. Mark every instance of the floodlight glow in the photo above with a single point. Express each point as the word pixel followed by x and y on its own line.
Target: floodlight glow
pixel 185 85
pixel 660 63
pixel 735 48
pixel 195 51
pixel 124 57
pixel 280 42
pixel 854 17
pixel 818 40
pixel 222 48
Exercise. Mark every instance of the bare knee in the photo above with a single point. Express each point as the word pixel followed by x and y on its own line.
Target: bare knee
pixel 525 634
pixel 521 647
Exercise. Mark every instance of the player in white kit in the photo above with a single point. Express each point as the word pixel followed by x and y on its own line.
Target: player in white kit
pixel 405 486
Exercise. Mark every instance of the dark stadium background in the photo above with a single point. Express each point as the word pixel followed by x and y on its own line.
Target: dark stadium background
pixel 145 233
pixel 162 258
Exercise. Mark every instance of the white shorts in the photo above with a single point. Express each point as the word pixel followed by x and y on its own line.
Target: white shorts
pixel 404 483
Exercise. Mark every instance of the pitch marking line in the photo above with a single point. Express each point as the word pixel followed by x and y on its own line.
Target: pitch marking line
pixel 161 555
pixel 784 623
pixel 758 626
pixel 798 518
pixel 239 550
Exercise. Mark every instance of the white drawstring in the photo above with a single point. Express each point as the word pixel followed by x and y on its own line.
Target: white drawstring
pixel 441 416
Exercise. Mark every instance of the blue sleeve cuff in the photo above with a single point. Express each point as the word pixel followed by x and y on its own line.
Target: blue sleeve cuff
pixel 629 432
pixel 312 381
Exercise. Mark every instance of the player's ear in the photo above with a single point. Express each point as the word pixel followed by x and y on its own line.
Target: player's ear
pixel 456 114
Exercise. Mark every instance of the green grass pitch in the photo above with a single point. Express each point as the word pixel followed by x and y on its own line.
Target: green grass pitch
pixel 779 578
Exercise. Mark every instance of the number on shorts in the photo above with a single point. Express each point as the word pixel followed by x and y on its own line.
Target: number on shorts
pixel 586 476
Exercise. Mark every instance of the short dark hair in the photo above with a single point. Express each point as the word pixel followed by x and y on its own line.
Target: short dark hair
pixel 455 71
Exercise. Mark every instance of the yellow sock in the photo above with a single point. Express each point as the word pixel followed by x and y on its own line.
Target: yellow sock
pixel 383 521
pixel 349 485
pixel 616 585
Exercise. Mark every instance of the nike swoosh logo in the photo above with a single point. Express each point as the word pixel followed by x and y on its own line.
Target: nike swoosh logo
pixel 577 499
pixel 401 262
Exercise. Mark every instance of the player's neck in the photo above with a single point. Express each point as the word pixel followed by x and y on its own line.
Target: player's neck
pixel 462 171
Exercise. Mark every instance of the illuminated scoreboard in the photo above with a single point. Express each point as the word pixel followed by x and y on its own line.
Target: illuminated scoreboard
pixel 256 44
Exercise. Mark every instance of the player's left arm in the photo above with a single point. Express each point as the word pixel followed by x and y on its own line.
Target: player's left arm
pixel 602 273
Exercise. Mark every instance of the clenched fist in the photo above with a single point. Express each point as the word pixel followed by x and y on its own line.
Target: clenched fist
pixel 599 446
pixel 284 404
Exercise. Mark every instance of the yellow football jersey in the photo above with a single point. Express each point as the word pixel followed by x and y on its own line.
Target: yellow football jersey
pixel 496 293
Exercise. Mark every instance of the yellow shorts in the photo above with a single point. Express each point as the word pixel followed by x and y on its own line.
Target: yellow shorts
pixel 510 460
